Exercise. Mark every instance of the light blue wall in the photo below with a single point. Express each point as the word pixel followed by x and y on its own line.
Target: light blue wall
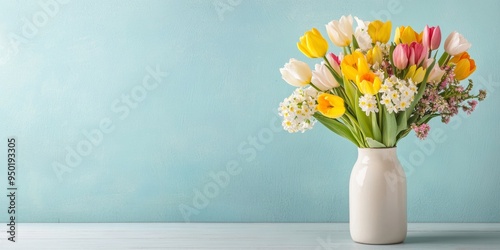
pixel 65 70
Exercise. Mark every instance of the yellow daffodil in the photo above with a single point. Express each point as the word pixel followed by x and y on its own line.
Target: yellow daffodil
pixel 349 65
pixel 312 44
pixel 367 81
pixel 406 35
pixel 330 105
pixel 380 31
pixel 416 75
pixel 465 66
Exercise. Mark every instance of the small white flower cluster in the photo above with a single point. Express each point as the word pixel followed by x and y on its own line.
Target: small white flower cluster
pixel 397 94
pixel 368 104
pixel 298 109
pixel 384 47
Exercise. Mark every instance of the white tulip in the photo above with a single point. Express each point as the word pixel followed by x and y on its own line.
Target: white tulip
pixel 340 32
pixel 296 73
pixel 456 44
pixel 322 78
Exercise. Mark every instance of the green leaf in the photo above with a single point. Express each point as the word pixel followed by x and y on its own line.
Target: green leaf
pixel 363 120
pixel 403 134
pixel 337 77
pixel 351 122
pixel 389 128
pixel 402 120
pixel 350 92
pixel 377 135
pixel 355 44
pixel 337 127
pixel 374 144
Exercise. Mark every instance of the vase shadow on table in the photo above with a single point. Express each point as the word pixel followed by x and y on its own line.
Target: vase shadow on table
pixel 466 238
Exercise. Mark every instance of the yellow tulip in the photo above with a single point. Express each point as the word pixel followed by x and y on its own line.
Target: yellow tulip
pixel 349 65
pixel 465 66
pixel 405 34
pixel 312 44
pixel 374 55
pixel 380 31
pixel 367 81
pixel 416 75
pixel 330 105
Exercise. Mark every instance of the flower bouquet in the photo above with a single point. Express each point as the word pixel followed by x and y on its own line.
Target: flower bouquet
pixel 374 92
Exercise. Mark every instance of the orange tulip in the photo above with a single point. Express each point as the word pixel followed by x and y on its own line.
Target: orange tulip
pixel 465 66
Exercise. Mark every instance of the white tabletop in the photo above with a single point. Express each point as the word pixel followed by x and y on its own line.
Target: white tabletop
pixel 69 236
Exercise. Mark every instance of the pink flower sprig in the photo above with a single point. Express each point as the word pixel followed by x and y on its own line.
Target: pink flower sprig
pixel 421 131
pixel 447 97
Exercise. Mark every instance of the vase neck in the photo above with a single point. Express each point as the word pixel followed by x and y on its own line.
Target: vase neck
pixel 377 152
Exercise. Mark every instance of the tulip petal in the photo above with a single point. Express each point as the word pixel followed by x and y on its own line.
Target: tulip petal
pixel 419 75
pixel 411 71
pixel 331 106
pixel 362 66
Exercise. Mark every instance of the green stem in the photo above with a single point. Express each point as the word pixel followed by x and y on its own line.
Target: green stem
pixel 327 62
pixel 443 60
pixel 354 122
pixel 379 111
pixel 315 87
pixel 355 135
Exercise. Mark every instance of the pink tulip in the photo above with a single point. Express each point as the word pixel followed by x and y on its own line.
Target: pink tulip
pixel 432 37
pixel 334 61
pixel 400 55
pixel 408 55
pixel 418 53
pixel 436 72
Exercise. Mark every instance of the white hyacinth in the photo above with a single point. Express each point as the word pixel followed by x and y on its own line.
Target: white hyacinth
pixel 298 109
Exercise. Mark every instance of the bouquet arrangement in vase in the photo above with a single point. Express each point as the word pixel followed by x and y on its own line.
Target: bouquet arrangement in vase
pixel 375 91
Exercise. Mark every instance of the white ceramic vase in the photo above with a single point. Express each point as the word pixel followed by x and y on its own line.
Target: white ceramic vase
pixel 377 197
